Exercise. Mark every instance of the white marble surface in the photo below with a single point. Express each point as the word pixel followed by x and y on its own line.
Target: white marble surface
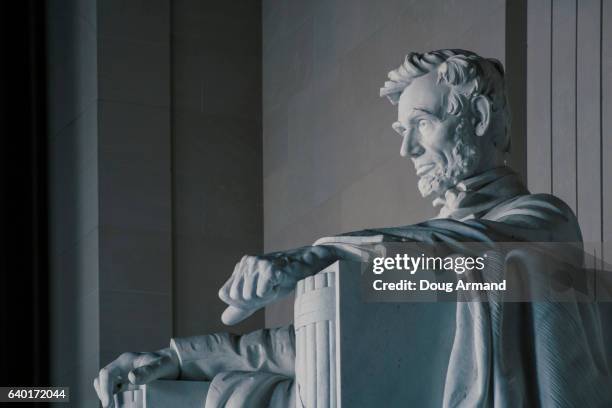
pixel 341 343
pixel 315 339
pixel 164 394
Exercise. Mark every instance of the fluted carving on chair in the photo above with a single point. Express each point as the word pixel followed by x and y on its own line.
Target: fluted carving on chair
pixel 315 335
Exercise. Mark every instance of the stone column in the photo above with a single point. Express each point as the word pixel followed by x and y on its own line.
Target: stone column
pixel 110 185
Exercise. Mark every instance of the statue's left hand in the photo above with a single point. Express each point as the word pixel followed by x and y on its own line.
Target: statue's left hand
pixel 135 368
pixel 260 280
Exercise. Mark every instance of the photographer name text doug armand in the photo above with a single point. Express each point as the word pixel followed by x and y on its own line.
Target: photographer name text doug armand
pixel 426 285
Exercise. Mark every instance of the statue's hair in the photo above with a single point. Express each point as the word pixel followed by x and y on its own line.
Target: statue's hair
pixel 468 75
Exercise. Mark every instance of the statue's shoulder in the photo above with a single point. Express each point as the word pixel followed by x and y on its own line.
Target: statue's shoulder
pixel 539 211
pixel 534 204
pixel 546 203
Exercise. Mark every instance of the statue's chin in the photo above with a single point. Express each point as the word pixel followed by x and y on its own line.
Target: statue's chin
pixel 432 186
pixel 435 186
pixel 441 179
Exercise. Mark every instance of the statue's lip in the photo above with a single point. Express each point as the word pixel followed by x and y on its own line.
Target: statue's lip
pixel 424 168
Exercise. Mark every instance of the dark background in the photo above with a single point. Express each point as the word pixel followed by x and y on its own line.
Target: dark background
pixel 24 267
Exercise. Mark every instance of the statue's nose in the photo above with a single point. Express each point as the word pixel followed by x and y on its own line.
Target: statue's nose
pixel 410 146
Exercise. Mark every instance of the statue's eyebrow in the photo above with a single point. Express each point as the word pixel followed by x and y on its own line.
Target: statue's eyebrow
pixel 429 112
pixel 424 110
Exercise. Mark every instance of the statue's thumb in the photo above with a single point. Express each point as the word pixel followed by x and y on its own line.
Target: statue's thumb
pixel 233 315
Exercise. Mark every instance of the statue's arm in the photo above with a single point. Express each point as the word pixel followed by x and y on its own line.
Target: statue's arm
pixel 269 350
pixel 261 280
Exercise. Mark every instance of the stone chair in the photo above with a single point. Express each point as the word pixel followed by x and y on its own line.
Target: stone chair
pixel 348 353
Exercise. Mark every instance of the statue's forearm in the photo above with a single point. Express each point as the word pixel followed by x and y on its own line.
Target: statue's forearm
pixel 305 261
pixel 203 357
pixel 320 257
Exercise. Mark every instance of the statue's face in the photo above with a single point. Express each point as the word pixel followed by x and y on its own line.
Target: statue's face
pixel 442 146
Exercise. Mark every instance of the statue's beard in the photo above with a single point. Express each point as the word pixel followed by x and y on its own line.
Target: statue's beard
pixel 462 163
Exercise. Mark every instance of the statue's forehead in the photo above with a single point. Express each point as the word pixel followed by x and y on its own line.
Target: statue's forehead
pixel 424 92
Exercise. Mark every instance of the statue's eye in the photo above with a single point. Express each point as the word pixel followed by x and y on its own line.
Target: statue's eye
pixel 424 125
pixel 399 128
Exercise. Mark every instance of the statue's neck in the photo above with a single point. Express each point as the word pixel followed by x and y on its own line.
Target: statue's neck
pixel 494 184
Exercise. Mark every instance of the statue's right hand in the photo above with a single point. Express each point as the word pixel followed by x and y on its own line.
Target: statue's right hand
pixel 260 280
pixel 255 282
pixel 135 368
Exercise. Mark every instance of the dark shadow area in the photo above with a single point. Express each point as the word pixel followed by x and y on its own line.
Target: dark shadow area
pixel 23 264
pixel 516 82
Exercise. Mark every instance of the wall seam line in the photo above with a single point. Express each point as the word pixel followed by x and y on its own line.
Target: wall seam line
pixel 173 279
pixel 576 76
pixel 601 166
pixel 551 100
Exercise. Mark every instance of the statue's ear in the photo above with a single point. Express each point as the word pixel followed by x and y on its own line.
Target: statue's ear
pixel 481 107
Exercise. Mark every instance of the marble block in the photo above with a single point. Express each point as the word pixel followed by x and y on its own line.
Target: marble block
pixel 164 394
pixel 355 354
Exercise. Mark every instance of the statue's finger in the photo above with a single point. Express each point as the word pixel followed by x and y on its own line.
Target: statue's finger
pixel 248 287
pixel 266 282
pixel 159 368
pixel 107 381
pixel 225 290
pixel 236 270
pixel 233 315
pixel 235 292
pixel 96 385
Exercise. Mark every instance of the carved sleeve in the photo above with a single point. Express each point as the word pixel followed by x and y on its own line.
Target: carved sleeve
pixel 267 350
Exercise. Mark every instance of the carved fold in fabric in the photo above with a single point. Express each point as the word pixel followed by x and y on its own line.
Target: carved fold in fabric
pixel 546 354
pixel 252 370
pixel 250 389
pixel 357 248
